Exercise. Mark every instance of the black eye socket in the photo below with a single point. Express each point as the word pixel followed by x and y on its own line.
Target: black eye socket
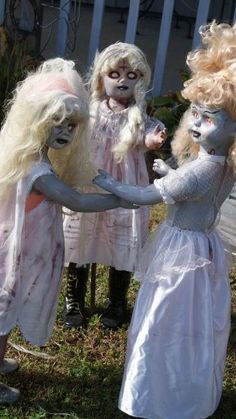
pixel 132 75
pixel 71 126
pixel 56 120
pixel 114 75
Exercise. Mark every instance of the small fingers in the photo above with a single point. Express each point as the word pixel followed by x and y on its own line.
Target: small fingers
pixel 157 129
pixel 102 172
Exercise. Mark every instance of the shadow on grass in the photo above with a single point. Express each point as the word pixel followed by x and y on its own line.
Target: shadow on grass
pixel 232 339
pixel 85 397
pixel 227 406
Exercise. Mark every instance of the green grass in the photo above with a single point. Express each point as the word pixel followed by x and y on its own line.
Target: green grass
pixel 82 379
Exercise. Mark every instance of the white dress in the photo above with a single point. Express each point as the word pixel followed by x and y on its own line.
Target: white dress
pixel 31 261
pixel 115 237
pixel 180 325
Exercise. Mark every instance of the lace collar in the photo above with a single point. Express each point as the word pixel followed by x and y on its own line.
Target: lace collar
pixel 104 108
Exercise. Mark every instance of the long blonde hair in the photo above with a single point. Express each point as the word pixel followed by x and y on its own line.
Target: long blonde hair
pixel 132 133
pixel 38 103
pixel 212 82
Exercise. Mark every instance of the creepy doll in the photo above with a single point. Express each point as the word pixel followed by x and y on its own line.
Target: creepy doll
pixel 180 325
pixel 121 133
pixel 42 146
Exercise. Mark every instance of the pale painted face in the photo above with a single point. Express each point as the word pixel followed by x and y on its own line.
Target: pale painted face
pixel 213 129
pixel 120 82
pixel 61 135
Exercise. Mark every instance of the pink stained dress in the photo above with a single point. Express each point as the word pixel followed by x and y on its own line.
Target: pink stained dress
pixel 31 260
pixel 115 237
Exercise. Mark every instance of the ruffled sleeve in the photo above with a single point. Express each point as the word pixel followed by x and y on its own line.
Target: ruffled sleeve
pixel 189 182
pixel 176 187
pixel 38 169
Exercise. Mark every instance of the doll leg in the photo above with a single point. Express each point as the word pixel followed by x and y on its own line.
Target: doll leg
pixel 6 364
pixel 115 314
pixel 8 395
pixel 77 278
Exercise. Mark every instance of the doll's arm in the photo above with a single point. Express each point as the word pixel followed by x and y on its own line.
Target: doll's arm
pixel 59 192
pixel 160 167
pixel 136 194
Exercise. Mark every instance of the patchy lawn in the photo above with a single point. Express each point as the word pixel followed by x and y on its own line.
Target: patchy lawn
pixel 82 377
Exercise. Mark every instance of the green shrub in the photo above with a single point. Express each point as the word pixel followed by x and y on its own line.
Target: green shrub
pixel 15 61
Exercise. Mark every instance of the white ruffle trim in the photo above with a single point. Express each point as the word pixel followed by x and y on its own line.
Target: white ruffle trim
pixel 171 251
pixel 158 183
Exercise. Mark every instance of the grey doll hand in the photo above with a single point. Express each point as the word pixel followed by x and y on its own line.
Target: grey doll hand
pixel 160 167
pixel 105 181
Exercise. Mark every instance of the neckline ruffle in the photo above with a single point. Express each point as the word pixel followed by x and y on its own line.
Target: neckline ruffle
pixel 107 111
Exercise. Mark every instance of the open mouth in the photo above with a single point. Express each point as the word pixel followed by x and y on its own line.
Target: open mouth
pixel 195 134
pixel 62 141
pixel 123 88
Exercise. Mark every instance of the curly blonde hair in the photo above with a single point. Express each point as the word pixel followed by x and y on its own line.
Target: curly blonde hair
pixel 40 102
pixel 132 133
pixel 212 83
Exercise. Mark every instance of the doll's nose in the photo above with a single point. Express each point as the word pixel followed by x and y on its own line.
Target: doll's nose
pixel 122 79
pixel 197 122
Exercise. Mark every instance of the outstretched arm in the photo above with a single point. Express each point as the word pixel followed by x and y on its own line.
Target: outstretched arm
pixel 138 195
pixel 59 192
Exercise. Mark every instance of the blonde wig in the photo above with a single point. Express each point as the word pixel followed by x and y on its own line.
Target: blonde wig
pixel 45 98
pixel 132 133
pixel 212 82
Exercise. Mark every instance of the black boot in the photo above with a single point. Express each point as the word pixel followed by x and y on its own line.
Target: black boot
pixel 115 314
pixel 75 295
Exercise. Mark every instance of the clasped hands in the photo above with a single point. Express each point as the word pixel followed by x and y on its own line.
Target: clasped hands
pixel 105 181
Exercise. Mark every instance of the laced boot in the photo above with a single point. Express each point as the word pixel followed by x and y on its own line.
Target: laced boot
pixel 115 314
pixel 8 395
pixel 75 295
pixel 8 365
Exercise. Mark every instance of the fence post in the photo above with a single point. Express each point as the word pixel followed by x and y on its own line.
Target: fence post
pixel 162 46
pixel 202 15
pixel 2 11
pixel 96 29
pixel 132 21
pixel 62 28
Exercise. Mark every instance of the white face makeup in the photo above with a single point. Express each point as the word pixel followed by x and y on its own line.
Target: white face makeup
pixel 61 135
pixel 212 128
pixel 120 82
